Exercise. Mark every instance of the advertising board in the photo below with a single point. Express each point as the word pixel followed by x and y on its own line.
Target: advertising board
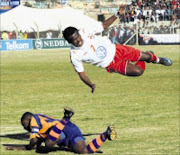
pixel 13 45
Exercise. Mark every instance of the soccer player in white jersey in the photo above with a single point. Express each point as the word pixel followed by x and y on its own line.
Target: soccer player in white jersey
pixel 94 49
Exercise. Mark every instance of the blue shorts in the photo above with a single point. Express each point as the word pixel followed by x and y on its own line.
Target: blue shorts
pixel 71 135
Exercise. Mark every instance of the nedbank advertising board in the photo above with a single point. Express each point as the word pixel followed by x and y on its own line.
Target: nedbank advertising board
pixel 50 43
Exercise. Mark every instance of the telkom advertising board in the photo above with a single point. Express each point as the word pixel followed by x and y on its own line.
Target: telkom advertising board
pixel 14 45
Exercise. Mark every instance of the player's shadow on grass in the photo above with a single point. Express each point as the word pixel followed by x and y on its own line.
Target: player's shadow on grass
pixel 25 136
pixel 18 136
pixel 41 149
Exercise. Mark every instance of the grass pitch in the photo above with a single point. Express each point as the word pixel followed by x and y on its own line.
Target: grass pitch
pixel 144 110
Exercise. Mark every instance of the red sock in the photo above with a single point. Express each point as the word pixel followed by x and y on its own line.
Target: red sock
pixel 153 57
pixel 141 64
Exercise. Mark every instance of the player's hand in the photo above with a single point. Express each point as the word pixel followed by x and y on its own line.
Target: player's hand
pixel 122 9
pixel 15 148
pixel 93 88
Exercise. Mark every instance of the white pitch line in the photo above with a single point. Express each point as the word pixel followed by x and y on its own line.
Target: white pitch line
pixel 14 132
pixel 10 127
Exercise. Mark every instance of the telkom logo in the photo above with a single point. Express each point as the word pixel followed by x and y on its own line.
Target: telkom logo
pixel 17 46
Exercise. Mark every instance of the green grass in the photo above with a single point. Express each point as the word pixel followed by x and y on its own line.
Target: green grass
pixel 144 110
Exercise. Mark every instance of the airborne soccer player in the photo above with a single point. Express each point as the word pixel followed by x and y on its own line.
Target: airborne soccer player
pixel 91 48
pixel 62 132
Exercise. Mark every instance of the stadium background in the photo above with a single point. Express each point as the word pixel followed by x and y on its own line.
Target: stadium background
pixel 144 110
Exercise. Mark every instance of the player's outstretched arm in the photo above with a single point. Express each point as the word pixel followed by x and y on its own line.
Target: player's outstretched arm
pixel 87 81
pixel 32 144
pixel 110 20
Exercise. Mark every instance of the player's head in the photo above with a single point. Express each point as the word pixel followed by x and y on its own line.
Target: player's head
pixel 72 35
pixel 25 120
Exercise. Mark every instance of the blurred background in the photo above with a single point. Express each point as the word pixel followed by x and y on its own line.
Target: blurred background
pixel 145 22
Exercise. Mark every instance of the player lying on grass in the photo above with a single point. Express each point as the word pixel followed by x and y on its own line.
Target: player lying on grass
pixel 96 50
pixel 52 131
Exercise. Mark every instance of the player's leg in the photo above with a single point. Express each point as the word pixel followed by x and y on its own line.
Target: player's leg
pixel 80 146
pixel 56 134
pixel 140 66
pixel 68 113
pixel 125 67
pixel 149 56
pixel 135 70
pixel 109 134
pixel 122 61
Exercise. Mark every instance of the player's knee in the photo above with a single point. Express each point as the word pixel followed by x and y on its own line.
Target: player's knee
pixel 49 144
pixel 139 72
pixel 83 151
pixel 81 148
pixel 135 72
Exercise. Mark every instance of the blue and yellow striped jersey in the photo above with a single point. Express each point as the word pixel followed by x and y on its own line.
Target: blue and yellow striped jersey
pixel 40 124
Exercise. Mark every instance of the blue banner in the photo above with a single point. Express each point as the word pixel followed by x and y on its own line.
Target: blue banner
pixel 6 5
pixel 14 45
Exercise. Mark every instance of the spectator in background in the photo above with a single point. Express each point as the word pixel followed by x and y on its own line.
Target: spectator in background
pixel 166 15
pixel 156 17
pixel 162 10
pixel 161 29
pixel 174 19
pixel 32 35
pixel 9 35
pixel 166 29
pixel 170 13
pixel 153 16
pixel 174 4
pixel 49 35
pixel 146 30
pixel 20 35
pixel 25 35
pixel 136 18
pixel 150 30
pixel 13 36
pixel 178 18
pixel 0 35
pixel 4 35
pixel 114 41
pixel 127 17
pixel 121 34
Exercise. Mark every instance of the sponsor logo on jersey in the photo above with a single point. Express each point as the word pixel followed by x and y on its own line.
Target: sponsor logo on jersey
pixel 101 52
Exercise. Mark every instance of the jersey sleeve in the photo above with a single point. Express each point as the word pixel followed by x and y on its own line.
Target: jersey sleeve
pixel 34 128
pixel 77 63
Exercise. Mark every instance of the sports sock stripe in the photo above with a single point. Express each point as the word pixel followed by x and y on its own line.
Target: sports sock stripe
pixel 96 143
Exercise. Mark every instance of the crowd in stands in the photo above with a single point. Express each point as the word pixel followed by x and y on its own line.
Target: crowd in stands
pixel 5 35
pixel 120 34
pixel 148 16
pixel 144 14
pixel 151 10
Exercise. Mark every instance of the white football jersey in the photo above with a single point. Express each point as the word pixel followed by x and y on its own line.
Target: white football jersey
pixel 96 50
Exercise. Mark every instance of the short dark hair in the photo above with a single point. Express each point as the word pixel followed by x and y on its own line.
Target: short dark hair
pixel 26 115
pixel 68 32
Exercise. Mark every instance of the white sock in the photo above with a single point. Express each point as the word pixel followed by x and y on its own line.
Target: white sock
pixel 157 60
